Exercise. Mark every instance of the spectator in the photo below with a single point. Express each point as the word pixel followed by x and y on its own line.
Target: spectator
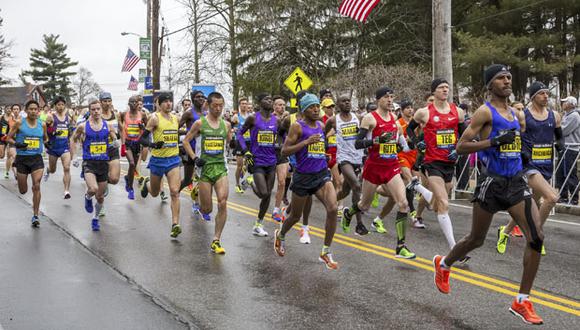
pixel 571 132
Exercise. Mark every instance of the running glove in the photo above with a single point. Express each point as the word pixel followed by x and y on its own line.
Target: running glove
pixel 249 157
pixel 199 162
pixel 505 138
pixel 21 145
pixel 156 145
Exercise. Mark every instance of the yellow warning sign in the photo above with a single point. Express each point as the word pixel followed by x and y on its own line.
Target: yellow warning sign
pixel 297 81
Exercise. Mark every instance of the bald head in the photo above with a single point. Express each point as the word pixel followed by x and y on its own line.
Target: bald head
pixel 133 102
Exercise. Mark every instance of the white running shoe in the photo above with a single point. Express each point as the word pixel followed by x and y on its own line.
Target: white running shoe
pixel 259 231
pixel 304 235
pixel 102 212
pixel 46 175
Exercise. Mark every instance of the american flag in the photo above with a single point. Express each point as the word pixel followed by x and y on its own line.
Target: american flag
pixel 133 84
pixel 357 9
pixel 130 61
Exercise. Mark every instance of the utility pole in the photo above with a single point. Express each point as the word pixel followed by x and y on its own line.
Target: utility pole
pixel 442 64
pixel 149 34
pixel 156 58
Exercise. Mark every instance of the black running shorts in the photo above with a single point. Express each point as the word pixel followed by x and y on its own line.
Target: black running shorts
pixel 496 193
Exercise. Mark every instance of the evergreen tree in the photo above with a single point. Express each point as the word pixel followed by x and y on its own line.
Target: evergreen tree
pixel 49 66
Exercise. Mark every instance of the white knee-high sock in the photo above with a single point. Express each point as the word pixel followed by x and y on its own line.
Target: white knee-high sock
pixel 447 227
pixel 427 194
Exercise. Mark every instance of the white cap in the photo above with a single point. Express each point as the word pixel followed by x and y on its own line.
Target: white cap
pixel 570 99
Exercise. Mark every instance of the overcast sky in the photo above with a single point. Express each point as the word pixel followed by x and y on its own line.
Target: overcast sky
pixel 92 32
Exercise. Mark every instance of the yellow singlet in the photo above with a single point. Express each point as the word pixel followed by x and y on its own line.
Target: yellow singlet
pixel 166 131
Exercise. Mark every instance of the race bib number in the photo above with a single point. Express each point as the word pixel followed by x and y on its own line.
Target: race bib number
pixel 247 136
pixel 33 143
pixel 98 148
pixel 388 150
pixel 266 138
pixel 62 132
pixel 213 145
pixel 4 130
pixel 349 131
pixel 541 153
pixel 332 141
pixel 446 139
pixel 316 150
pixel 170 137
pixel 133 130
pixel 511 150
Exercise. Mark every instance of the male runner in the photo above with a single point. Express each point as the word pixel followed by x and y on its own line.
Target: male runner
pixel 502 186
pixel 282 166
pixel 212 134
pixel 131 125
pixel 58 127
pixel 349 158
pixel 238 121
pixel 109 114
pixel 28 136
pixel 164 159
pixel 327 106
pixel 380 132
pixel 95 134
pixel 7 150
pixel 442 124
pixel 306 140
pixel 541 126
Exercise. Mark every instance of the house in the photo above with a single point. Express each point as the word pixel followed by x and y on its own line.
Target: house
pixel 21 95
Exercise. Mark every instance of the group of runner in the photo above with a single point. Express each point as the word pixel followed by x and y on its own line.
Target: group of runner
pixel 324 149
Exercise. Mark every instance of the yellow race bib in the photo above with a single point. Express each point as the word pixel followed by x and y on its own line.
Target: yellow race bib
pixel 170 137
pixel 4 130
pixel 446 138
pixel 388 150
pixel 33 142
pixel 349 131
pixel 213 145
pixel 133 130
pixel 332 141
pixel 98 148
pixel 541 153
pixel 511 150
pixel 316 150
pixel 266 138
pixel 247 135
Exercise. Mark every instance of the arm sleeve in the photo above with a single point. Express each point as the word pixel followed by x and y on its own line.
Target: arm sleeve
pixel 240 136
pixel 361 141
pixel 460 129
pixel 411 130
pixel 403 142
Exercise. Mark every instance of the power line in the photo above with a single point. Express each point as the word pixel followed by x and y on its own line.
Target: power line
pixel 500 13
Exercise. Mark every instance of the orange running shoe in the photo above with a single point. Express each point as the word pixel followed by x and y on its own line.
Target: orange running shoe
pixel 441 275
pixel 328 261
pixel 525 310
pixel 278 244
pixel 517 232
pixel 136 174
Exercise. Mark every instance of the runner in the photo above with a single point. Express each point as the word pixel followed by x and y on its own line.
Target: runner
pixel 7 150
pixel 239 120
pixel 327 105
pixel 442 124
pixel 164 159
pixel 28 137
pixel 501 186
pixel 131 125
pixel 96 135
pixel 538 134
pixel 349 159
pixel 260 155
pixel 58 126
pixel 282 166
pixel 380 132
pixel 212 134
pixel 109 114
pixel 312 177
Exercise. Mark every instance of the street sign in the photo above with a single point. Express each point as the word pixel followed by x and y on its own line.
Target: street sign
pixel 142 75
pixel 145 48
pixel 148 83
pixel 297 81
pixel 293 103
pixel 148 102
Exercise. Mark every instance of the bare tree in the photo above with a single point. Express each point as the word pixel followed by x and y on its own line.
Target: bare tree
pixel 4 54
pixel 84 85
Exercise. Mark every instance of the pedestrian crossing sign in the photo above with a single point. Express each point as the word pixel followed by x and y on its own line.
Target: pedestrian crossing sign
pixel 297 81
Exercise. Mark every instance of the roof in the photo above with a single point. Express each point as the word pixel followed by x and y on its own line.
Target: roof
pixel 18 95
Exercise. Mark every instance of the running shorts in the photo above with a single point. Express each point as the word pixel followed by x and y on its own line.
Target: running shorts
pixel 357 167
pixel 279 158
pixel 26 164
pixel 113 153
pixel 379 174
pixel 306 184
pixel 497 193
pixel 100 168
pixel 261 169
pixel 57 152
pixel 213 172
pixel 135 148
pixel 440 169
pixel 160 166
pixel 407 159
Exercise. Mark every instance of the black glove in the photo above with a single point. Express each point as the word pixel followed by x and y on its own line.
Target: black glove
pixel 21 145
pixel 506 138
pixel 59 132
pixel 249 157
pixel 386 137
pixel 156 145
pixel 48 145
pixel 199 162
pixel 560 146
pixel 421 146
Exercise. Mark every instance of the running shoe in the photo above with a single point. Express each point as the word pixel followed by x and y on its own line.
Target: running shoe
pixel 543 250
pixel 195 211
pixel 441 276
pixel 375 202
pixel 194 193
pixel 413 183
pixel 418 223
pixel 377 226
pixel 127 187
pixel 46 175
pixel 249 180
pixel 516 232
pixel 143 186
pixel 136 174
pixel 328 261
pixel 277 216
pixel 216 247
pixel 502 240
pixel 163 196
pixel 345 221
pixel 95 225
pixel 361 229
pixel 404 253
pixel 35 221
pixel 175 230
pixel 239 189
pixel 206 216
pixel 259 231
pixel 285 214
pixel 305 235
pixel 106 191
pixel 6 175
pixel 525 310
pixel 131 194
pixel 66 195
pixel 89 205
pixel 279 244
pixel 102 211
pixel 76 162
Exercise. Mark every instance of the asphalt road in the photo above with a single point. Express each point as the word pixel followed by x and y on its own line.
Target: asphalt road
pixel 252 288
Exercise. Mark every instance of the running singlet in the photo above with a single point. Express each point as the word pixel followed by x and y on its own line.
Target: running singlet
pixel 166 131
pixel 132 128
pixel 263 139
pixel 212 142
pixel 96 142
pixel 60 140
pixel 537 142
pixel 113 120
pixel 241 121
pixel 346 133
pixel 195 118
pixel 413 152
pixel 31 136
pixel 440 134
pixel 384 153
pixel 505 160
pixel 331 141
pixel 4 128
pixel 312 158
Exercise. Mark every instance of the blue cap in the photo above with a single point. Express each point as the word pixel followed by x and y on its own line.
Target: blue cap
pixel 105 95
pixel 308 100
